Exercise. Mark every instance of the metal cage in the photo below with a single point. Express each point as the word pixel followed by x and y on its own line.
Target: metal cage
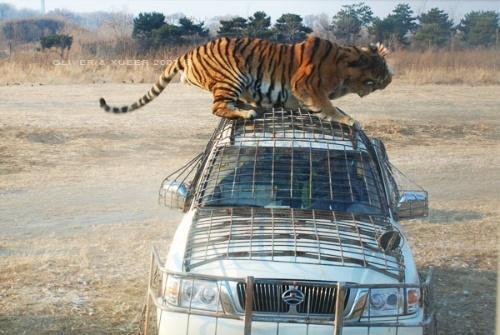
pixel 291 235
pixel 286 182
pixel 283 158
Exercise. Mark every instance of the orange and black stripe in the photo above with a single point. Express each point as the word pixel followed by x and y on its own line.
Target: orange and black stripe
pixel 265 71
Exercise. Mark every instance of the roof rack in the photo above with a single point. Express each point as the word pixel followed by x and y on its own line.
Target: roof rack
pixel 294 128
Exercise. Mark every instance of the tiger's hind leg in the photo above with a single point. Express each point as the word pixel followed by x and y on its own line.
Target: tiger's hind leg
pixel 224 105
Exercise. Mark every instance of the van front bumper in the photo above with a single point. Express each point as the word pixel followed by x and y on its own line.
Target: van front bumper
pixel 163 318
pixel 171 323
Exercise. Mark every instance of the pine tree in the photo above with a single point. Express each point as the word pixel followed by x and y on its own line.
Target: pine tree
pixel 394 28
pixel 347 23
pixel 144 25
pixel 236 27
pixel 259 25
pixel 480 28
pixel 435 29
pixel 290 29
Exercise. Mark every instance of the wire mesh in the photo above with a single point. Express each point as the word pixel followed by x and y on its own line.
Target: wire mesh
pixel 291 159
pixel 413 199
pixel 176 186
pixel 291 235
pixel 406 198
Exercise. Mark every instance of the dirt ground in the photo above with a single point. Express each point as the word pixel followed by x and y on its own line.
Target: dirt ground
pixel 79 210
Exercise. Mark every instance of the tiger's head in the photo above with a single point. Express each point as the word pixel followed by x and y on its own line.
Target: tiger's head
pixel 366 70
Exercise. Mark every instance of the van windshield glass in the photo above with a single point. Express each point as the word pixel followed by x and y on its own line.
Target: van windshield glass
pixel 304 178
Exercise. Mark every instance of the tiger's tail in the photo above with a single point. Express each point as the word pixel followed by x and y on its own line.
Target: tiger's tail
pixel 155 91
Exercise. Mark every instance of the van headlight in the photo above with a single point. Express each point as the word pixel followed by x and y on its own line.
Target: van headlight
pixel 193 293
pixel 392 302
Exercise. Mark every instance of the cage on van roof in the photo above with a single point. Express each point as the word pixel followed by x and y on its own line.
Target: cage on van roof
pixel 288 128
pixel 285 158
pixel 284 163
pixel 290 159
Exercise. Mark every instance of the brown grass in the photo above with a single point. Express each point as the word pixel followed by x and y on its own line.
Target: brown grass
pixel 463 67
pixel 47 68
pixel 79 211
pixel 471 67
pixel 18 72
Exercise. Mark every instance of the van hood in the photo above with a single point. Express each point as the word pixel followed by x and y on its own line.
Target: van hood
pixel 295 271
pixel 289 243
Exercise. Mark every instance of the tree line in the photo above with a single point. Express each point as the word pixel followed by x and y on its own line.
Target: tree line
pixel 352 24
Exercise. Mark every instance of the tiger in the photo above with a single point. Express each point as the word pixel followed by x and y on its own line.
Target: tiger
pixel 260 73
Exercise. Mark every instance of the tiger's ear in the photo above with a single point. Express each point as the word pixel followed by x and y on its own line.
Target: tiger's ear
pixel 380 49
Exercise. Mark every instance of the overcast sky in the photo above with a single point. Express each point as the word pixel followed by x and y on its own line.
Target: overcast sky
pixel 206 9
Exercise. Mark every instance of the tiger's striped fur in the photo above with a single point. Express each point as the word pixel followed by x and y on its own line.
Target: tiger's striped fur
pixel 266 74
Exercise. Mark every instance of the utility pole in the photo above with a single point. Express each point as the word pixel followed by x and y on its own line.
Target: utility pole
pixel 42 7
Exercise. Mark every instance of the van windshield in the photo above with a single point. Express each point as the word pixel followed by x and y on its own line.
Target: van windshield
pixel 288 177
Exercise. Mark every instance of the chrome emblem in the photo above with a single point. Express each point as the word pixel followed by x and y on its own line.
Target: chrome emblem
pixel 293 296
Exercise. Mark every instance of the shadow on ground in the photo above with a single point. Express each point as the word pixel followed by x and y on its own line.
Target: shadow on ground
pixel 454 215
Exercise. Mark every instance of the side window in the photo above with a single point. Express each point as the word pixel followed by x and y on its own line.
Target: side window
pixel 391 185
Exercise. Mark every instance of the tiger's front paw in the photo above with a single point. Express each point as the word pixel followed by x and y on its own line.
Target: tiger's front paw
pixel 348 121
pixel 251 115
pixel 340 118
pixel 325 117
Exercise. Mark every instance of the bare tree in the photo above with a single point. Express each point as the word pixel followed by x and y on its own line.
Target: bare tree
pixel 174 18
pixel 120 25
pixel 321 26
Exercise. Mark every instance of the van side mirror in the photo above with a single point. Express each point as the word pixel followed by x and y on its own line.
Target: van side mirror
pixel 173 194
pixel 175 188
pixel 412 205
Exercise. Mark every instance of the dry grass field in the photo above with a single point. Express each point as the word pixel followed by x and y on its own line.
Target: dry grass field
pixel 469 67
pixel 79 211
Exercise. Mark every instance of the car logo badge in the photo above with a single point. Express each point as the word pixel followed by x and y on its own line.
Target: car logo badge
pixel 293 296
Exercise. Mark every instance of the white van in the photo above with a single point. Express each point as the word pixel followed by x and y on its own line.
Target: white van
pixel 290 227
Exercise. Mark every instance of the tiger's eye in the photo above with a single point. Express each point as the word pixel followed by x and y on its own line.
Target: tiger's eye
pixel 369 82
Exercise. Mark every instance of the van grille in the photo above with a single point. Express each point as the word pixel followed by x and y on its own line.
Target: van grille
pixel 318 299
